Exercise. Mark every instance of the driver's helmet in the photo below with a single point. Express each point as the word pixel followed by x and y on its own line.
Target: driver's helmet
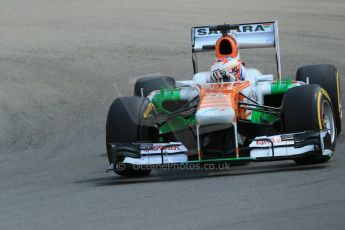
pixel 227 69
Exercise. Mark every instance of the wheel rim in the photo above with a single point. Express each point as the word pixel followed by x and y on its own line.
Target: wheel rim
pixel 328 119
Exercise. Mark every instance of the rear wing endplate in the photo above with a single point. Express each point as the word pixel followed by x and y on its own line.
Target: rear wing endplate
pixel 248 36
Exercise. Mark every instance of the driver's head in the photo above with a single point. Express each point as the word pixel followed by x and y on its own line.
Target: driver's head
pixel 226 69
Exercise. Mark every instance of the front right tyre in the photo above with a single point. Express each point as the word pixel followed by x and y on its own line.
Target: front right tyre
pixel 309 108
pixel 327 77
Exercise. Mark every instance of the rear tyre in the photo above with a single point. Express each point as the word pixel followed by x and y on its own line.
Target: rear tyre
pixel 328 78
pixel 308 107
pixel 144 86
pixel 123 126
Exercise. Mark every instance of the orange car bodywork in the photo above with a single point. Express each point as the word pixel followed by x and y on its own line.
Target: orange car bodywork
pixel 224 95
pixel 233 51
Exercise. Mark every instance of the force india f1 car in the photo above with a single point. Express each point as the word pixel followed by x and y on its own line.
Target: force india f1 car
pixel 195 122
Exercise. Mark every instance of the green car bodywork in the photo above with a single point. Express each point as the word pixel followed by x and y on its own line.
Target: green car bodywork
pixel 180 122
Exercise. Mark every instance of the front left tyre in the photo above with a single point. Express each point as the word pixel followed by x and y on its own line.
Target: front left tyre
pixel 124 126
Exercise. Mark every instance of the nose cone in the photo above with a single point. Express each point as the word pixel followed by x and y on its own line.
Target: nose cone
pixel 215 115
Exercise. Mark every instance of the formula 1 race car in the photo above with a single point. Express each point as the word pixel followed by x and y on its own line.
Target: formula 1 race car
pixel 260 118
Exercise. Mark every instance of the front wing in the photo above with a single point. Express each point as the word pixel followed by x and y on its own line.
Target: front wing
pixel 265 148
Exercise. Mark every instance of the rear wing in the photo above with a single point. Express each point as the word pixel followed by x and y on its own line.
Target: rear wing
pixel 248 36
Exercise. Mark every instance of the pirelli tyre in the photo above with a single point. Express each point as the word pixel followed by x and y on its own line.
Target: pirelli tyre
pixel 327 77
pixel 124 126
pixel 146 85
pixel 309 107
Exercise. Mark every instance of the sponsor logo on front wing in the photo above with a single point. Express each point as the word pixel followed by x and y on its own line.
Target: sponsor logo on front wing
pixel 166 147
pixel 277 140
pixel 160 147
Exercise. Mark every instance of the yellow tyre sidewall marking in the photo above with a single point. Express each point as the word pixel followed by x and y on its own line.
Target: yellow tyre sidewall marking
pixel 324 92
pixel 319 108
pixel 321 93
pixel 338 92
pixel 148 110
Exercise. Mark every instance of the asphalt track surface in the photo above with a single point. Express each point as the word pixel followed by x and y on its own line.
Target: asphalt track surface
pixel 63 62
